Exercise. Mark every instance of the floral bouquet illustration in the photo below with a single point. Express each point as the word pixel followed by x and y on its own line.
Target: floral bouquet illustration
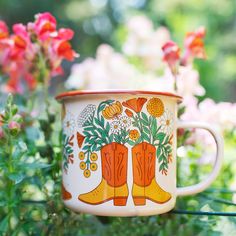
pixel 108 131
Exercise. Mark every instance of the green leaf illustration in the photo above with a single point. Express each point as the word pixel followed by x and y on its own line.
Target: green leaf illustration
pixel 160 136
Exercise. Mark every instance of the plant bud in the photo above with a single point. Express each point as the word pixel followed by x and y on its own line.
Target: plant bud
pixel 14 127
pixel 18 118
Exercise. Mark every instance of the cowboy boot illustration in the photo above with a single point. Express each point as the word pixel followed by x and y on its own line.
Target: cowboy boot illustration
pixel 113 186
pixel 144 181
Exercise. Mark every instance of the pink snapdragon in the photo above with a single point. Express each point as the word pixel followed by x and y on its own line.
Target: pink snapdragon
pixel 44 25
pixel 194 46
pixel 171 54
pixel 34 53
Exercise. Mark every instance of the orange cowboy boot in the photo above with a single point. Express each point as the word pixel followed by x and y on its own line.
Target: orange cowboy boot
pixel 113 185
pixel 144 181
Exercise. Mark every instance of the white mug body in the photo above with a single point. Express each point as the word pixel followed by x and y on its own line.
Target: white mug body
pixel 119 153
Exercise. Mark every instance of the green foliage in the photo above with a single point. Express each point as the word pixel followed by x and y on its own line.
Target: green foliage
pixel 30 158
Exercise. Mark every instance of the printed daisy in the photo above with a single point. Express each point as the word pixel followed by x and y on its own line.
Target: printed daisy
pixel 125 122
pixel 86 114
pixel 166 121
pixel 115 127
pixel 69 124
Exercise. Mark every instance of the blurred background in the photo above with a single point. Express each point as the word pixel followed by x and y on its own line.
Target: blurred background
pixel 102 21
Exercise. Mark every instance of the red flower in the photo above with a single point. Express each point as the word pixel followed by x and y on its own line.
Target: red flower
pixel 44 25
pixel 194 45
pixel 171 54
pixel 135 104
pixel 64 50
pixel 29 50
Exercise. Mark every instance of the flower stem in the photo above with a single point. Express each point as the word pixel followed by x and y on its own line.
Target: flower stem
pixel 140 126
pixel 10 184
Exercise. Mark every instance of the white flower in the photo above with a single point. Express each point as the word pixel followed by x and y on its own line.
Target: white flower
pixel 166 122
pixel 68 124
pixel 86 114
pixel 125 121
pixel 115 127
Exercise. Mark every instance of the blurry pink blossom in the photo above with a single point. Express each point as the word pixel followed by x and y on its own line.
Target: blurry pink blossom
pixel 194 46
pixel 109 70
pixel 145 44
pixel 188 82
pixel 171 54
pixel 34 53
pixel 44 25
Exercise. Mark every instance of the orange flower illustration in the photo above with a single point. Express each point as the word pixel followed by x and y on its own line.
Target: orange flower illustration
pixel 112 111
pixel 80 139
pixel 135 104
pixel 134 134
pixel 128 113
pixel 65 194
pixel 155 107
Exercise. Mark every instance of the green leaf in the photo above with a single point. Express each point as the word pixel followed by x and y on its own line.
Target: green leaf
pixel 37 165
pixel 97 121
pixel 130 142
pixel 86 133
pixel 108 127
pixel 86 148
pixel 145 118
pixel 101 107
pixel 103 121
pixel 16 177
pixel 158 152
pixel 20 150
pixel 146 130
pixel 4 224
pixel 93 147
pixel 145 137
pixel 160 137
pixel 89 128
pixel 161 167
pixel 154 126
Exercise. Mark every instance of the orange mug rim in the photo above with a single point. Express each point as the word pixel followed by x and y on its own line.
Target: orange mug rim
pixel 73 93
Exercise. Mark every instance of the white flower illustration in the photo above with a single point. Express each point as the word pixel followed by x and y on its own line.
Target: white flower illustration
pixel 166 121
pixel 115 127
pixel 125 121
pixel 86 114
pixel 69 124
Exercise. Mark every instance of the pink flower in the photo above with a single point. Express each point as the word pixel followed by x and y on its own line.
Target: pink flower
pixel 32 51
pixel 194 46
pixel 13 125
pixel 65 34
pixel 171 54
pixel 44 25
pixel 3 30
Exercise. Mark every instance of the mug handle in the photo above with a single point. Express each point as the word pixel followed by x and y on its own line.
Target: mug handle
pixel 183 191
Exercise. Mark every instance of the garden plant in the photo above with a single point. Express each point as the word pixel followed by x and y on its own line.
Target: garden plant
pixel 31 141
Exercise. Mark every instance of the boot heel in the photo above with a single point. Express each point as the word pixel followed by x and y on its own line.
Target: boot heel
pixel 120 201
pixel 139 201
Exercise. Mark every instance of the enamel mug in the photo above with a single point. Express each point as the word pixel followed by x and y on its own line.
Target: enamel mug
pixel 119 152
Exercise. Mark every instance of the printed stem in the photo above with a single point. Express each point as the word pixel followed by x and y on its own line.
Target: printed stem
pixel 99 119
pixel 141 126
pixel 88 161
